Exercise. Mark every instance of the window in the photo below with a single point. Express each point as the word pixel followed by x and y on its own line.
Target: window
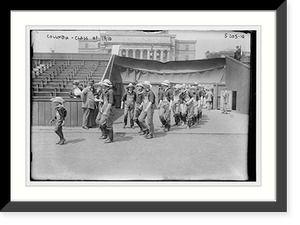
pixel 186 57
pixel 187 47
pixel 86 45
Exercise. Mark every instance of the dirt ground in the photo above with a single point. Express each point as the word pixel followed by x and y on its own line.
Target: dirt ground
pixel 216 149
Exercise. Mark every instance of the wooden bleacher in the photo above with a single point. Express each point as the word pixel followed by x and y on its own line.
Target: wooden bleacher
pixel 55 78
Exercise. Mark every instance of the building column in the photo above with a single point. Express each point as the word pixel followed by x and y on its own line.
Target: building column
pixel 168 55
pixel 133 53
pixel 126 50
pixel 148 54
pixel 154 55
pixel 161 55
pixel 141 54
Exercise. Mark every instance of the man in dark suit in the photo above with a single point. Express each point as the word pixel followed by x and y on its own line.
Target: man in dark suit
pixel 88 104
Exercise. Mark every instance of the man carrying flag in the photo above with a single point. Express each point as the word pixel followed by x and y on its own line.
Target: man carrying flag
pixel 148 111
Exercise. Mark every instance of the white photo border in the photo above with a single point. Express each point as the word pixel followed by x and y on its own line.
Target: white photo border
pixel 27 188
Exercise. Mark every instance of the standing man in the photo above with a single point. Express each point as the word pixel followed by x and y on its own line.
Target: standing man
pixel 138 105
pixel 209 98
pixel 148 111
pixel 88 104
pixel 128 99
pixel 76 90
pixel 108 111
pixel 238 53
pixel 225 97
pixel 165 105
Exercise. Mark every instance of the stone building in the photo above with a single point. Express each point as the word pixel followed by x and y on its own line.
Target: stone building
pixel 160 46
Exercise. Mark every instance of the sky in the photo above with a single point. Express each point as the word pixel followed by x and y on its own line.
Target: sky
pixel 213 41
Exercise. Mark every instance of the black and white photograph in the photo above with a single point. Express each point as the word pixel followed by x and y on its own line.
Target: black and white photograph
pixel 143 105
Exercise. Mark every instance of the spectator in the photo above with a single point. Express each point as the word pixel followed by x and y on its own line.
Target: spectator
pixel 88 104
pixel 209 98
pixel 75 92
pixel 225 96
pixel 237 53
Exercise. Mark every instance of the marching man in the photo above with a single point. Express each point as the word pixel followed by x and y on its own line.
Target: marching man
pixel 165 105
pixel 148 111
pixel 138 105
pixel 128 99
pixel 108 112
pixel 176 104
pixel 188 103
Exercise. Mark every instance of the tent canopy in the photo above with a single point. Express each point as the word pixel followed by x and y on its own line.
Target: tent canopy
pixel 125 70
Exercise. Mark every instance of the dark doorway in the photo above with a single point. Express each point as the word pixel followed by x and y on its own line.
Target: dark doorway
pixel 234 95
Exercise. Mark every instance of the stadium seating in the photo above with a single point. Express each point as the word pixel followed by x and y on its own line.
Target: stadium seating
pixel 55 78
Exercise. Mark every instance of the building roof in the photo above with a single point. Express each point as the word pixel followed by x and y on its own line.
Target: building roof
pixel 186 41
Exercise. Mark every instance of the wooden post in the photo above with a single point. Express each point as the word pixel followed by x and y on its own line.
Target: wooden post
pixel 215 99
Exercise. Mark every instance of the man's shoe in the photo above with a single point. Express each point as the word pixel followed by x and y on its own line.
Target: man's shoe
pixel 110 136
pixel 85 127
pixel 149 136
pixel 107 141
pixel 62 141
pixel 145 132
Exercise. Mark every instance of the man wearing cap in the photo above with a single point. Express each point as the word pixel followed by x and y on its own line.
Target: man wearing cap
pixel 128 99
pixel 60 115
pixel 148 111
pixel 176 104
pixel 138 105
pixel 108 112
pixel 165 105
pixel 88 103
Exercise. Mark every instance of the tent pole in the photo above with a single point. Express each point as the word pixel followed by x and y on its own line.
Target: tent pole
pixel 215 105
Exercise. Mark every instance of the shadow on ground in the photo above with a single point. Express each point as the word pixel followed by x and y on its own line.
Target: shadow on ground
pixel 74 141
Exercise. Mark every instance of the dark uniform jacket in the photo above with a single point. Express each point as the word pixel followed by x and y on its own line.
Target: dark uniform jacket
pixel 87 97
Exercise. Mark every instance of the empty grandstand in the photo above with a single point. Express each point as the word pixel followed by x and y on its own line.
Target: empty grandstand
pixel 53 77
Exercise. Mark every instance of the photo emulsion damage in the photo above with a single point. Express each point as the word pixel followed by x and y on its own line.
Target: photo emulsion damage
pixel 128 105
